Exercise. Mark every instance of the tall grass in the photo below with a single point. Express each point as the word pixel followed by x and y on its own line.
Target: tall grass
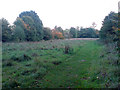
pixel 110 70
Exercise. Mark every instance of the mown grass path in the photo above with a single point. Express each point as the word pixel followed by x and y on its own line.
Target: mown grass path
pixel 78 71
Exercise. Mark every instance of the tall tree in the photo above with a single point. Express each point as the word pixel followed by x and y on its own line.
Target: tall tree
pixel 18 30
pixel 38 23
pixel 31 32
pixel 107 32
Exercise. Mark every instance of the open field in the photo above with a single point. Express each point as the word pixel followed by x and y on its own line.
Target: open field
pixel 55 64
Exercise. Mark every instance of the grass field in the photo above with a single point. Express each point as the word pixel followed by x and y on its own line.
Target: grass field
pixel 55 64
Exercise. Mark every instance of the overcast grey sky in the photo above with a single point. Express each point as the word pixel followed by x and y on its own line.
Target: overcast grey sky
pixel 64 13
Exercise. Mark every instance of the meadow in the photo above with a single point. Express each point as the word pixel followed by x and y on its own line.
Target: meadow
pixel 57 64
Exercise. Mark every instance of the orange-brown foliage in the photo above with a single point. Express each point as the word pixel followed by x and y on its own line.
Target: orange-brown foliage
pixel 56 34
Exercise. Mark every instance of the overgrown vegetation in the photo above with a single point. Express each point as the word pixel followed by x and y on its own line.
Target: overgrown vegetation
pixel 109 35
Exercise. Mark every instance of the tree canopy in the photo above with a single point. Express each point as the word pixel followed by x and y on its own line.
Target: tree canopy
pixel 108 32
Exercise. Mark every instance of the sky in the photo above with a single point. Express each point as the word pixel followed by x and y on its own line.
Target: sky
pixel 64 13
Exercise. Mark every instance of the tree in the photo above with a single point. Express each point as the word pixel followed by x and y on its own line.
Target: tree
pixel 59 29
pixel 27 24
pixel 19 34
pixel 47 33
pixel 0 30
pixel 88 33
pixel 107 32
pixel 6 31
pixel 93 25
pixel 56 34
pixel 73 32
pixel 37 23
pixel 31 32
pixel 66 33
pixel 20 22
pixel 118 33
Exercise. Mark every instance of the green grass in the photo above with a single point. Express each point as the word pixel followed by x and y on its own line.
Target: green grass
pixel 49 67
pixel 75 71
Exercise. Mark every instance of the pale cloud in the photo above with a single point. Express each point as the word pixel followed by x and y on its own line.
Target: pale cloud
pixel 64 13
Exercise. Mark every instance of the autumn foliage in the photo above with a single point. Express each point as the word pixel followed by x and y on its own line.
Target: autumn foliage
pixel 56 34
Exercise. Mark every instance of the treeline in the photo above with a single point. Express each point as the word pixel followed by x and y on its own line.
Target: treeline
pixel 84 32
pixel 29 27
